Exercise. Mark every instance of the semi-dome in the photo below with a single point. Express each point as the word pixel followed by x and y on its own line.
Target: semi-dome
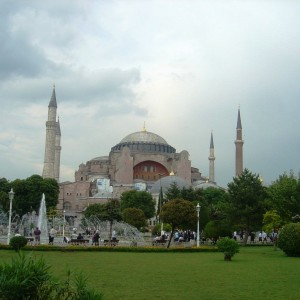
pixel 166 182
pixel 144 141
pixel 205 184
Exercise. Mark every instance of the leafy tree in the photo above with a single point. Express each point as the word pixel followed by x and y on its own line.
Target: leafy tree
pixel 215 229
pixel 138 199
pixel 179 213
pixel 272 221
pixel 246 203
pixel 4 189
pixel 95 210
pixel 173 192
pixel 134 217
pixel 192 195
pixel 284 196
pixel 28 193
pixel 109 211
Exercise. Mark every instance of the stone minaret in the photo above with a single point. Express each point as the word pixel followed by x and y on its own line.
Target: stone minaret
pixel 51 140
pixel 211 159
pixel 57 151
pixel 239 147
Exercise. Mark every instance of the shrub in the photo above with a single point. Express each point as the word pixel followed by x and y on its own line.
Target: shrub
pixel 289 239
pixel 18 242
pixel 215 229
pixel 27 278
pixel 228 246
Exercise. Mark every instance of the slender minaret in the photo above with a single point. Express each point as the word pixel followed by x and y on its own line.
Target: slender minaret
pixel 51 129
pixel 57 151
pixel 239 147
pixel 211 159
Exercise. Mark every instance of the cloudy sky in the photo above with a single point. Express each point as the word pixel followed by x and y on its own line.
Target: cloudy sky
pixel 182 67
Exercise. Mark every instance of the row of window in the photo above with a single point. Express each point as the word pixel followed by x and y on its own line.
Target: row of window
pixel 78 194
pixel 146 147
pixel 145 168
pixel 146 177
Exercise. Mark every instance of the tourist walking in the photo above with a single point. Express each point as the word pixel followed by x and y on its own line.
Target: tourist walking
pixel 37 236
pixel 52 234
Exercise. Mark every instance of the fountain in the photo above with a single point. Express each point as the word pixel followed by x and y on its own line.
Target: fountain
pixel 42 222
pixel 126 234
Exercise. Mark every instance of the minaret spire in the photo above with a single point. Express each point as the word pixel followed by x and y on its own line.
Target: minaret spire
pixel 52 144
pixel 239 146
pixel 211 159
pixel 57 151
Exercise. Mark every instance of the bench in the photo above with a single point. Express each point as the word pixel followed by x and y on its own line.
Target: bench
pixel 112 242
pixel 30 240
pixel 79 242
pixel 157 242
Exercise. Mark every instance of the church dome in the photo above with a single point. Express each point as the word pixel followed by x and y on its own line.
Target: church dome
pixel 166 182
pixel 145 137
pixel 144 141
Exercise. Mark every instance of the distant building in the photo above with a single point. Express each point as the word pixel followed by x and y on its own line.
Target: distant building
pixel 142 160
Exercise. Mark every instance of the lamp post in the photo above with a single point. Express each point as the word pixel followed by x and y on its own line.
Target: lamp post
pixel 11 197
pixel 64 216
pixel 198 207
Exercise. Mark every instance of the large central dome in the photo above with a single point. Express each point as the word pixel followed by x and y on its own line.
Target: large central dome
pixel 144 137
pixel 144 141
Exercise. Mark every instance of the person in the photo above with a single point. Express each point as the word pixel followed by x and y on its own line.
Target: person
pixel 252 237
pixel 113 236
pixel 96 238
pixel 37 236
pixel 235 235
pixel 79 237
pixel 52 233
pixel 260 237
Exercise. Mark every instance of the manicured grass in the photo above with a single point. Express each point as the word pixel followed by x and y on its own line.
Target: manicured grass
pixel 254 273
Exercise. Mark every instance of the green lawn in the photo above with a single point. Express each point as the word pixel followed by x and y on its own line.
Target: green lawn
pixel 254 273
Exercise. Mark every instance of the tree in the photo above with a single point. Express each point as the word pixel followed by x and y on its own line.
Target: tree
pixel 215 229
pixel 272 221
pixel 173 192
pixel 179 213
pixel 246 203
pixel 109 211
pixel 134 217
pixel 95 210
pixel 28 193
pixel 4 189
pixel 138 199
pixel 160 202
pixel 284 196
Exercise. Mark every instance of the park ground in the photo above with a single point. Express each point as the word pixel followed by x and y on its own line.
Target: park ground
pixel 257 272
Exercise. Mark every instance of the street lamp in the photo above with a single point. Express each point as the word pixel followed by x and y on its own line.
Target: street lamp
pixel 11 197
pixel 64 216
pixel 198 207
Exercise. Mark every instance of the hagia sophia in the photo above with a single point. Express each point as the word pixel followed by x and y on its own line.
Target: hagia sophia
pixel 142 160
